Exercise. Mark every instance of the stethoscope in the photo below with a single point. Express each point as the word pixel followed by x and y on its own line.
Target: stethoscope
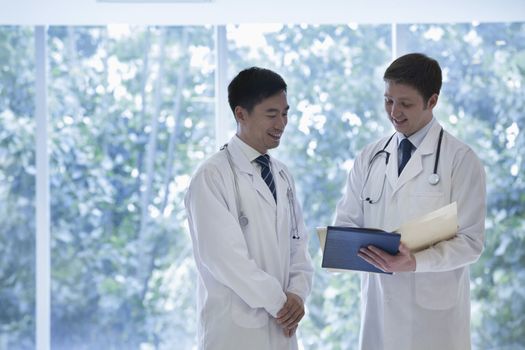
pixel 243 219
pixel 433 178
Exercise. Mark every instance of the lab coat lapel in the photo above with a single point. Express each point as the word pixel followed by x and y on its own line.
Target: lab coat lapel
pixel 415 165
pixel 245 166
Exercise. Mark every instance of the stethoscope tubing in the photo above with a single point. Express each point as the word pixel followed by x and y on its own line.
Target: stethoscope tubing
pixel 433 179
pixel 243 219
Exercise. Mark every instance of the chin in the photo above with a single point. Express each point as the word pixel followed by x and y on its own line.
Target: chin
pixel 273 143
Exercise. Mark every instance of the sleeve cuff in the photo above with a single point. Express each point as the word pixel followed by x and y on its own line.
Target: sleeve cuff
pixel 422 262
pixel 274 310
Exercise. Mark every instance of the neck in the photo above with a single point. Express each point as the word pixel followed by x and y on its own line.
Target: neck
pixel 246 141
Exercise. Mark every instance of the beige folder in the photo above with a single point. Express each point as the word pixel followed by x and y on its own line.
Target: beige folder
pixel 434 227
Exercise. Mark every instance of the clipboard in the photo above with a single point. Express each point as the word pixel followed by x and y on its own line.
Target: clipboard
pixel 343 243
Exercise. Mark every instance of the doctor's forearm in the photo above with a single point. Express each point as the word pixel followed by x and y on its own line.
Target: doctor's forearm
pixel 449 255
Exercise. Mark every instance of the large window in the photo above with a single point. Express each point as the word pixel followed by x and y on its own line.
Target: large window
pixel 131 115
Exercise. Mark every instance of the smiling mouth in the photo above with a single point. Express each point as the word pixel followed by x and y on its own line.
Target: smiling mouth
pixel 398 122
pixel 276 137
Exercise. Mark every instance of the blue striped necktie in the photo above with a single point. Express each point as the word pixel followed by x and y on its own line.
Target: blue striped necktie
pixel 266 173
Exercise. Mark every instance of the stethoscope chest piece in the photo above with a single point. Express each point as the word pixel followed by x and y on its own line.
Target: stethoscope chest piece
pixel 243 220
pixel 433 179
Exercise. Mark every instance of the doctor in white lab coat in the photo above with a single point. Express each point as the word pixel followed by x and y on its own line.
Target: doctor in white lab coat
pixel 425 303
pixel 253 279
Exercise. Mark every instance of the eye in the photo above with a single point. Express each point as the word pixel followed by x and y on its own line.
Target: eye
pixel 388 101
pixel 406 105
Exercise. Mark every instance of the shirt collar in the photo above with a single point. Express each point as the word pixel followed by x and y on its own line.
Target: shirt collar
pixel 417 138
pixel 250 152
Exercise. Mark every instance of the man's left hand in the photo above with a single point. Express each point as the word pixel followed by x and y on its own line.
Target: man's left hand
pixel 403 261
pixel 291 313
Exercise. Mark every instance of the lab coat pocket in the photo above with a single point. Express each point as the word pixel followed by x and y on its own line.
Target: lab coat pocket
pixel 425 202
pixel 245 316
pixel 437 290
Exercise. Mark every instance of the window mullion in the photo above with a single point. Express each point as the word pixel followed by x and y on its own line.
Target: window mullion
pixel 221 94
pixel 42 239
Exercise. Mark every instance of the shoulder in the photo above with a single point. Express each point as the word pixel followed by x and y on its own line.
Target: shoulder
pixel 212 167
pixel 372 148
pixel 279 164
pixel 459 149
pixel 461 158
pixel 379 144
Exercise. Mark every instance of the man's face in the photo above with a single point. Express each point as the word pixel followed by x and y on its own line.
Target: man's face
pixel 263 127
pixel 406 109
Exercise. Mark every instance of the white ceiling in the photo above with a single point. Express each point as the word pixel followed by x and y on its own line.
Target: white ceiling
pixel 85 12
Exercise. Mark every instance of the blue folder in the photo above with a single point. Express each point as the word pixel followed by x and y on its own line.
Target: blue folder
pixel 342 245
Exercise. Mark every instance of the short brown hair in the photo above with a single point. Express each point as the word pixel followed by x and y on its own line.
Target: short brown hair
pixel 418 71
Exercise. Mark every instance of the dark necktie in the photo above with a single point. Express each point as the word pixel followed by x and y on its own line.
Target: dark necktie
pixel 264 162
pixel 406 152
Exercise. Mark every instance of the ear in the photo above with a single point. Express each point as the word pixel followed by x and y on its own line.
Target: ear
pixel 240 114
pixel 432 101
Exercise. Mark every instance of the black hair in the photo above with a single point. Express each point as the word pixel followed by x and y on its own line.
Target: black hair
pixel 252 85
pixel 418 71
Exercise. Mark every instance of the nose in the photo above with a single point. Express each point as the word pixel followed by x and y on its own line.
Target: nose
pixel 281 122
pixel 395 111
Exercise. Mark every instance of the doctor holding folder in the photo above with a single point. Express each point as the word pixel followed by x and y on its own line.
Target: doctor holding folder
pixel 425 303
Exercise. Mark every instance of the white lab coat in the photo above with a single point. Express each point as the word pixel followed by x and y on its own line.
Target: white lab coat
pixel 429 308
pixel 244 273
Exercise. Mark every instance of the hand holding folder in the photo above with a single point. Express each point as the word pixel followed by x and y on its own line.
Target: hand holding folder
pixel 341 244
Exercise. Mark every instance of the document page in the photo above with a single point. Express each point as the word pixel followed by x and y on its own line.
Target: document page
pixel 434 227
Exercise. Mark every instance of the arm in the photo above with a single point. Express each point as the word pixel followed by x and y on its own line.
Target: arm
pixel 349 211
pixel 220 246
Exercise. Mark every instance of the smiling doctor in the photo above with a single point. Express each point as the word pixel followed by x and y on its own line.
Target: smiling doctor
pixel 249 239
pixel 425 303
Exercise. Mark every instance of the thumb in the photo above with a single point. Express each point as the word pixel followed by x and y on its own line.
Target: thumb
pixel 403 249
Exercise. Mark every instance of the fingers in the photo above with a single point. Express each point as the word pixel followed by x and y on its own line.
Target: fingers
pixel 374 256
pixel 292 312
pixel 401 262
pixel 289 332
pixel 403 249
pixel 292 318
pixel 284 311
